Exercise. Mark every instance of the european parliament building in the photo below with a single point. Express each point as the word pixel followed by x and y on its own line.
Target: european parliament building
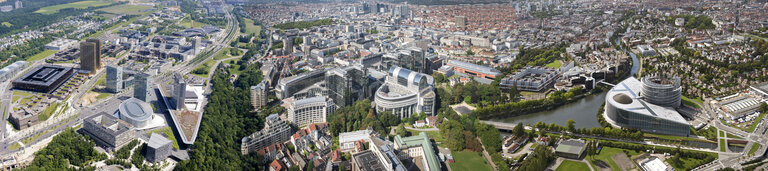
pixel 648 106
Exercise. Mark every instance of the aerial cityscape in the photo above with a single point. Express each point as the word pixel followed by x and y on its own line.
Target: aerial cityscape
pixel 384 85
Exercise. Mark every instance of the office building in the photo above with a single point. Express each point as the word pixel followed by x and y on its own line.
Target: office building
pixel 136 112
pixel 88 56
pixel 310 110
pixel 288 45
pixel 347 140
pixel 9 71
pixel 158 148
pixel 43 78
pixel 259 94
pixel 179 91
pixel 347 85
pixel 275 131
pixel 461 22
pixel 571 148
pixel 108 131
pixel 419 146
pixel 195 46
pixel 531 79
pixel 142 86
pixel 406 92
pixel 412 58
pixel 288 86
pixel 474 69
pixel 627 108
pixel 379 156
pixel 114 79
pixel 19 4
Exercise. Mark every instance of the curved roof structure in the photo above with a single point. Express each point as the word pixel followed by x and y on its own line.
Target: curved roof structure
pixel 625 96
pixel 136 112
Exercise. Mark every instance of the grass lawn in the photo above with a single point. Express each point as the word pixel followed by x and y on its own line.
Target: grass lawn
pixel 688 164
pixel 41 55
pixel 48 112
pixel 757 120
pixel 754 149
pixel 606 155
pixel 691 103
pixel 235 67
pixel 7 24
pixel 102 81
pixel 722 145
pixel 223 53
pixel 731 136
pixel 101 95
pixel 207 66
pixel 189 23
pixel 79 5
pixel 168 134
pixel 468 160
pixel 555 64
pixel 125 9
pixel 250 28
pixel 568 165
pixel 15 146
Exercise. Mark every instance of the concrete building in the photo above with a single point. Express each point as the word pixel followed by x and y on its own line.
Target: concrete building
pixel 108 131
pixel 406 92
pixel 114 79
pixel 531 79
pixel 136 112
pixel 571 148
pixel 19 4
pixel 142 86
pixel 347 85
pixel 158 148
pixel 275 131
pixel 60 44
pixel 310 110
pixel 419 146
pixel 347 139
pixel 474 69
pixel 288 45
pixel 739 106
pixel 259 95
pixel 44 78
pixel 380 156
pixel 626 107
pixel 646 50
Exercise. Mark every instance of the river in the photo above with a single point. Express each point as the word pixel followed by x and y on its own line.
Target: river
pixel 583 111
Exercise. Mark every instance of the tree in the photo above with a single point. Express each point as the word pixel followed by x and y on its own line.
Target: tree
pixel 571 125
pixel 470 53
pixel 453 130
pixel 518 130
pixel 402 131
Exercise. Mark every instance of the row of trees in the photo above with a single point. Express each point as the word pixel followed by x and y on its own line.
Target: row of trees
pixel 538 160
pixel 304 24
pixel 225 123
pixel 678 153
pixel 555 99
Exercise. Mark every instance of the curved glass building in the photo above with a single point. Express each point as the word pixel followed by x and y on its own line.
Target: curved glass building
pixel 406 92
pixel 662 91
pixel 625 108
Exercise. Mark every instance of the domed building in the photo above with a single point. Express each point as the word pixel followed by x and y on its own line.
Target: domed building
pixel 136 112
pixel 634 105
